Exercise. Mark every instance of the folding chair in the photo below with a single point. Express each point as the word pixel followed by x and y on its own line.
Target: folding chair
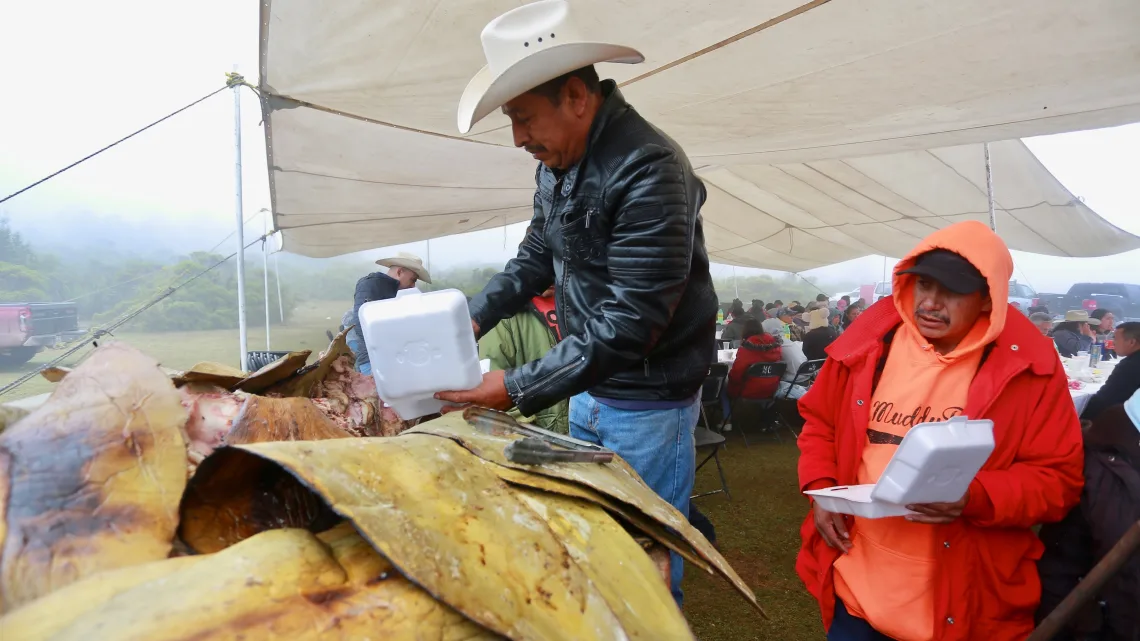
pixel 257 359
pixel 710 441
pixel 804 377
pixel 711 392
pixel 758 371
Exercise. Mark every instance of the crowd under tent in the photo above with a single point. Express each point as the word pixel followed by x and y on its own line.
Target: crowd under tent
pixel 825 130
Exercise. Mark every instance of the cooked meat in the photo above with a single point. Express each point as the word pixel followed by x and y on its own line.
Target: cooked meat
pixel 350 399
pixel 212 411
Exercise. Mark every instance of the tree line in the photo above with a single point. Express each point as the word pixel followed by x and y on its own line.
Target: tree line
pixel 105 287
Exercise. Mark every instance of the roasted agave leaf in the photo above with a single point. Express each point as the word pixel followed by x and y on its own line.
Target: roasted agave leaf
pixel 449 524
pixel 284 584
pixel 262 419
pixel 302 383
pixel 273 373
pixel 91 480
pixel 615 479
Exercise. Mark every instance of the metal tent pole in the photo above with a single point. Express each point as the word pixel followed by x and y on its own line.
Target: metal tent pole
pixel 735 285
pixel 280 302
pixel 240 225
pixel 990 186
pixel 265 270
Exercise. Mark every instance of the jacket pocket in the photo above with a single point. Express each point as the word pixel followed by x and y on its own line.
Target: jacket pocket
pixel 583 232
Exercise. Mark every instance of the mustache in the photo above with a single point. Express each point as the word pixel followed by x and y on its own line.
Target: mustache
pixel 935 315
pixel 535 149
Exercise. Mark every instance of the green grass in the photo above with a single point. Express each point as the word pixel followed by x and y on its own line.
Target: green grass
pixel 758 530
pixel 180 350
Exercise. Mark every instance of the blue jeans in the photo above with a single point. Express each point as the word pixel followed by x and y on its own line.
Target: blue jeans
pixel 846 627
pixel 356 344
pixel 657 444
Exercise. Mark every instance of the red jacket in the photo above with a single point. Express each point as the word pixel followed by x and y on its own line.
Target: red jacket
pixel 761 348
pixel 987 587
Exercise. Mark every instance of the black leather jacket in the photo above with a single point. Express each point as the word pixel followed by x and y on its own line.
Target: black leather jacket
pixel 620 236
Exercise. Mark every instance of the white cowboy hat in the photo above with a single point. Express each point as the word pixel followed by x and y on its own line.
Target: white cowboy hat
pixel 407 261
pixel 526 47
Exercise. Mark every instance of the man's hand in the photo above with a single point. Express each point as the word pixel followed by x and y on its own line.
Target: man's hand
pixel 491 393
pixel 938 513
pixel 833 528
pixel 475 328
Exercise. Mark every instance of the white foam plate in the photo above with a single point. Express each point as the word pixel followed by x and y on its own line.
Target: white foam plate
pixel 935 463
pixel 855 500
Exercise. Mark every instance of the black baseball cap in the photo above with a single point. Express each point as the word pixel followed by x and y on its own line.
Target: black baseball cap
pixel 954 272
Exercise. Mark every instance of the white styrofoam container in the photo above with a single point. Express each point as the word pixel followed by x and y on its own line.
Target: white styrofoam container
pixel 420 344
pixel 935 463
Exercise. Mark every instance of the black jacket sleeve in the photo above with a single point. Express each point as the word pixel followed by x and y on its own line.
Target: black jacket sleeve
pixel 525 276
pixel 1068 343
pixel 648 260
pixel 1120 386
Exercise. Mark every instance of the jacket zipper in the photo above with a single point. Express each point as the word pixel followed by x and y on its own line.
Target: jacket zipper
pixel 647 368
pixel 537 385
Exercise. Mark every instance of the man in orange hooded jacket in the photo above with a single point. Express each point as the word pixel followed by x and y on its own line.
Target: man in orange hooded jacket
pixel 945 345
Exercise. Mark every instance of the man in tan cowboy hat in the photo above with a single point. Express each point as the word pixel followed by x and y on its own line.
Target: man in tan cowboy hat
pixel 617 226
pixel 1074 334
pixel 403 271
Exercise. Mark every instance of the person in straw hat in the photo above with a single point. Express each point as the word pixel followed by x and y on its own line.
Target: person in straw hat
pixel 403 271
pixel 616 225
pixel 1075 333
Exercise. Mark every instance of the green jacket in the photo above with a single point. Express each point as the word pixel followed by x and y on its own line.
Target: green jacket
pixel 518 340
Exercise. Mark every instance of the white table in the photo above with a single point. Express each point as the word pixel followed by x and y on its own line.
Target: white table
pixel 1082 396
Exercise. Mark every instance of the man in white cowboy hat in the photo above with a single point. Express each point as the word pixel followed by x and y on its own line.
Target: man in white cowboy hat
pixel 403 271
pixel 617 227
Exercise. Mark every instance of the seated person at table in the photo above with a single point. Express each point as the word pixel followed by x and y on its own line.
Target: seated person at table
pixel 1074 333
pixel 835 319
pixel 1044 322
pixel 850 314
pixel 1104 328
pixel 734 330
pixel 757 309
pixel 1110 504
pixel 788 317
pixel 1124 380
pixel 735 311
pixel 819 334
pixel 757 347
pixel 791 354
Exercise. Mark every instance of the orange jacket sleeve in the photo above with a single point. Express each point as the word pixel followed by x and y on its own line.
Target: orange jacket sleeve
pixel 818 459
pixel 1044 482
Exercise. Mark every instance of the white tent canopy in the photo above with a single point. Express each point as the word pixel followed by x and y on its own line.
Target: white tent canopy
pixel 825 130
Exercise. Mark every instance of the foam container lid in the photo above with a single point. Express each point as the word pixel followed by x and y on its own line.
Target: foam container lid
pixel 935 463
pixel 420 344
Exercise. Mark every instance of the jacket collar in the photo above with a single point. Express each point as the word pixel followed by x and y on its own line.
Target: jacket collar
pixel 612 107
pixel 1019 344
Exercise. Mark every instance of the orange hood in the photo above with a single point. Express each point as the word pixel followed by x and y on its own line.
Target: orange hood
pixel 975 242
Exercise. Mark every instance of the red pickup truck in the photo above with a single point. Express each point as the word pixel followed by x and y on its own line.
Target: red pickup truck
pixel 26 328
